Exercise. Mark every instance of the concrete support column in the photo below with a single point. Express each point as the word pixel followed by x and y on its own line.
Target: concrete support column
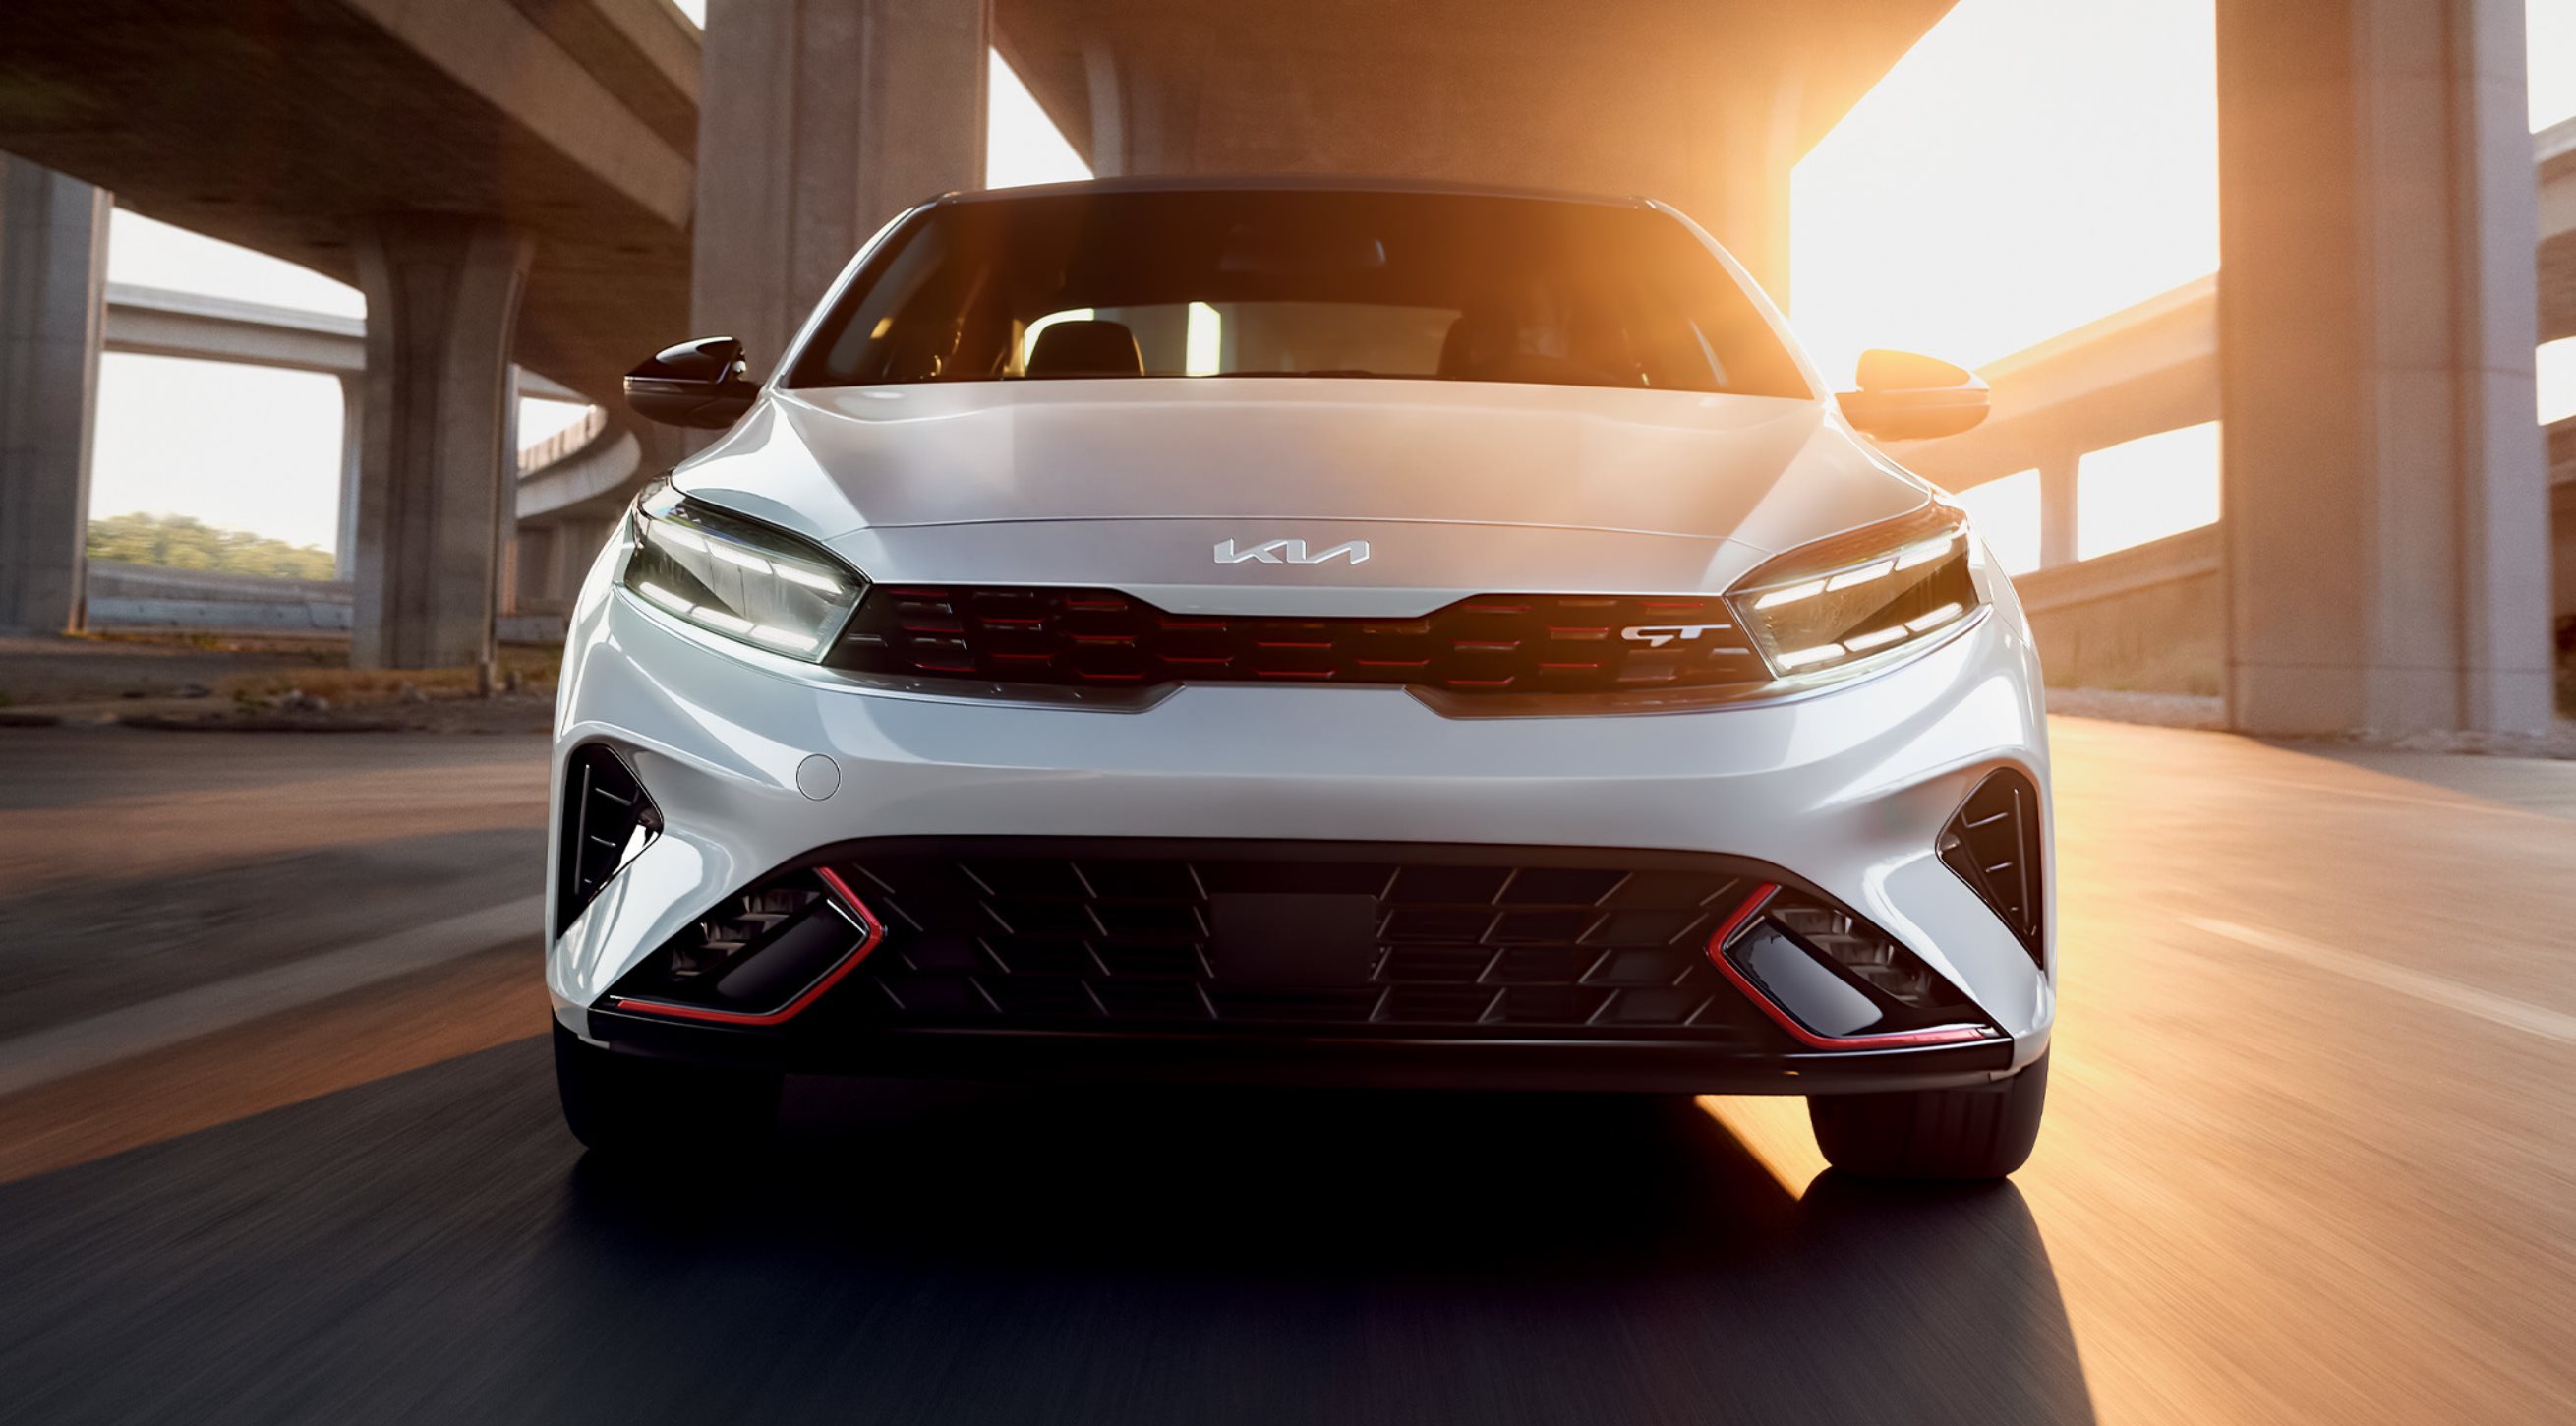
pixel 437 487
pixel 353 462
pixel 53 278
pixel 818 121
pixel 2385 497
pixel 2057 510
pixel 505 523
pixel 553 558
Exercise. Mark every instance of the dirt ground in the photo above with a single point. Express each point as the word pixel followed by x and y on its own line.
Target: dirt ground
pixel 253 683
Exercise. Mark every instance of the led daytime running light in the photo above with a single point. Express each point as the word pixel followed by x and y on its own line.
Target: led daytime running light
pixel 737 579
pixel 1869 603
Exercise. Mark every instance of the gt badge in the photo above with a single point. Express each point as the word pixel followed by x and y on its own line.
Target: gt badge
pixel 1655 636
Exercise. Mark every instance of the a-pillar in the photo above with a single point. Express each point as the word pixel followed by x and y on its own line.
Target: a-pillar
pixel 53 273
pixel 2386 515
pixel 817 123
pixel 436 484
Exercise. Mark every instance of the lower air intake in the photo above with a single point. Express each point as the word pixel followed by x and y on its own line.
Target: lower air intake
pixel 1372 940
pixel 760 957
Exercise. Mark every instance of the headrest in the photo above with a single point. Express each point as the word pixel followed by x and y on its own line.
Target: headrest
pixel 1086 349
pixel 1479 344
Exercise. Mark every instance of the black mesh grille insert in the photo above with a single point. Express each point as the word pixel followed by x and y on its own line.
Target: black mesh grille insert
pixel 1993 844
pixel 607 818
pixel 1489 644
pixel 1455 942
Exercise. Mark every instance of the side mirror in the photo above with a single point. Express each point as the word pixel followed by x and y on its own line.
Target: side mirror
pixel 1905 397
pixel 701 384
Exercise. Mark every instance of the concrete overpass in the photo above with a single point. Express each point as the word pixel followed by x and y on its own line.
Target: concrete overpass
pixel 192 326
pixel 2154 616
pixel 569 484
pixel 506 180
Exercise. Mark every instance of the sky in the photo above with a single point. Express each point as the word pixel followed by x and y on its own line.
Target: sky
pixel 2113 99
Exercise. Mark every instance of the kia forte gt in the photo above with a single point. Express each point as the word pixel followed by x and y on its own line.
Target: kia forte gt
pixel 1324 634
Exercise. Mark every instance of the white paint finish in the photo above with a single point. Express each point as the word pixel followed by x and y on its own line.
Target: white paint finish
pixel 1768 472
pixel 1143 485
pixel 818 777
pixel 1846 788
pixel 1414 567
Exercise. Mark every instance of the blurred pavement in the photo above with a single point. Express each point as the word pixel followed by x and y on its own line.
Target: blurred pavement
pixel 2311 1154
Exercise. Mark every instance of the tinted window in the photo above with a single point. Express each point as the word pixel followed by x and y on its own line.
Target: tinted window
pixel 1433 286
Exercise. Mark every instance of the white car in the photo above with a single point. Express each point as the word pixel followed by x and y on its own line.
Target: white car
pixel 1313 633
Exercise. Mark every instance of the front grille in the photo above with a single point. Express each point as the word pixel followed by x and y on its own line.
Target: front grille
pixel 1488 644
pixel 607 819
pixel 1455 942
pixel 1993 845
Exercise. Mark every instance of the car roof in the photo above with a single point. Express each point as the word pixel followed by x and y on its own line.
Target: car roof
pixel 1285 183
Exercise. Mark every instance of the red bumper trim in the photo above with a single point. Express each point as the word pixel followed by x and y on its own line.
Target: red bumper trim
pixel 1742 917
pixel 850 902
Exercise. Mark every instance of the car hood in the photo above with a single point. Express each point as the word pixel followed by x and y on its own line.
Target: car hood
pixel 1448 488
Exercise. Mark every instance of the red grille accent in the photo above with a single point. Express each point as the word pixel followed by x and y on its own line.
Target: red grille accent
pixel 1491 643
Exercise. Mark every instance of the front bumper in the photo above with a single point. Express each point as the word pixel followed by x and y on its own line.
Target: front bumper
pixel 1846 791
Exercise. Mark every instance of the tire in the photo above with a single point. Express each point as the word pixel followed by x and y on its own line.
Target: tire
pixel 1984 1132
pixel 629 1107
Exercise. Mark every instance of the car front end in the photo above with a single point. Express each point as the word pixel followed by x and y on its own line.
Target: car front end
pixel 1300 727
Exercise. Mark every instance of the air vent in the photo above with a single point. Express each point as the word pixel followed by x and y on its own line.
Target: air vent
pixel 1225 938
pixel 1993 844
pixel 1834 981
pixel 608 818
pixel 760 957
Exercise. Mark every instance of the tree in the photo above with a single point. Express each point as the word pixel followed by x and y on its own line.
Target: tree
pixel 178 542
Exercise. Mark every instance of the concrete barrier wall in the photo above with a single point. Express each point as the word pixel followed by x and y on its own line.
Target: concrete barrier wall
pixel 2151 618
pixel 138 597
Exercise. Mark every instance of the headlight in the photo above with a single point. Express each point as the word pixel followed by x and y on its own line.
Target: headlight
pixel 729 576
pixel 1858 596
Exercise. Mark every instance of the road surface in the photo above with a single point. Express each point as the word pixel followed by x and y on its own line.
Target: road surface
pixel 2310 1157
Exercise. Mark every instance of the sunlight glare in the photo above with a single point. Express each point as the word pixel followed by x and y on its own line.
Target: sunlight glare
pixel 1021 144
pixel 2006 514
pixel 2028 166
pixel 147 253
pixel 2549 28
pixel 1204 345
pixel 2146 489
pixel 2557 380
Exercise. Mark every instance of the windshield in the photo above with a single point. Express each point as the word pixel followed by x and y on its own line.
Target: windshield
pixel 1448 287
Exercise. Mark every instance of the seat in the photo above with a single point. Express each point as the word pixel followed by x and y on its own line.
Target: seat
pixel 1089 348
pixel 1479 346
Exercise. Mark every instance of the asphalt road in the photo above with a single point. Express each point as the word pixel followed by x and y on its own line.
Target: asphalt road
pixel 2311 1157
